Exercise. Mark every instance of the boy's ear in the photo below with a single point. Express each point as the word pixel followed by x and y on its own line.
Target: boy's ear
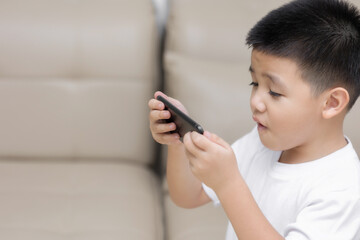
pixel 336 100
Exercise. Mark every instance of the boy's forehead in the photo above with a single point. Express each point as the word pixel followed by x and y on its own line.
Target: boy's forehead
pixel 271 59
pixel 277 68
pixel 280 71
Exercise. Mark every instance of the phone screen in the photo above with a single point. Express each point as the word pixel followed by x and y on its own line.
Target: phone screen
pixel 182 121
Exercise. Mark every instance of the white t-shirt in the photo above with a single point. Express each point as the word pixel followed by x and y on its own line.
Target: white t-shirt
pixel 315 200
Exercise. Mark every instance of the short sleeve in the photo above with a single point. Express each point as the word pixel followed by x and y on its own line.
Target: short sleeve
pixel 212 195
pixel 333 216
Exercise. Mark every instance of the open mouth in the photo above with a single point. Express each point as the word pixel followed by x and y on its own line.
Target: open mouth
pixel 260 126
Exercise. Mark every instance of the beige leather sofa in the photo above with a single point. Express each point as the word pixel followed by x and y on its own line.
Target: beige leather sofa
pixel 76 157
pixel 75 147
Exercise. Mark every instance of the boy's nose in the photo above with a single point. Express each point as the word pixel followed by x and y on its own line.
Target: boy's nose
pixel 256 102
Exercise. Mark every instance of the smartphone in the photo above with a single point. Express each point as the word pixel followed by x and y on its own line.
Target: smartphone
pixel 182 121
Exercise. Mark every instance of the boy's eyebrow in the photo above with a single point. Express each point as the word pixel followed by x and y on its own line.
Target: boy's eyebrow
pixel 273 78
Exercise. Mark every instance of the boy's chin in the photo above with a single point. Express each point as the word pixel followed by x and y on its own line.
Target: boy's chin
pixel 271 144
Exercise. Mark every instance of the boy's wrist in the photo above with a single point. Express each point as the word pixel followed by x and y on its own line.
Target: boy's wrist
pixel 227 190
pixel 175 147
pixel 176 151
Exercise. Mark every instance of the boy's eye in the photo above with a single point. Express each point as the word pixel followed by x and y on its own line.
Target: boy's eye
pixel 274 94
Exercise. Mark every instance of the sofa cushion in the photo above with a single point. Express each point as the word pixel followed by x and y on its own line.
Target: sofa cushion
pixel 78 200
pixel 94 38
pixel 75 77
pixel 213 29
pixel 76 118
pixel 202 223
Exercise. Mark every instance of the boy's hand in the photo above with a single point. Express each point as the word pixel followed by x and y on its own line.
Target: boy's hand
pixel 212 160
pixel 160 129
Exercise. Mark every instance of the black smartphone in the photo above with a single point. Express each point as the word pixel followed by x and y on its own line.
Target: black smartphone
pixel 182 121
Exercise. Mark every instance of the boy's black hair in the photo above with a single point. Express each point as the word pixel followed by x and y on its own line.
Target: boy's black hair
pixel 321 36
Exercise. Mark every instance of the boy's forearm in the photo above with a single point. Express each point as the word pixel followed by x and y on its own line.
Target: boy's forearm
pixel 184 188
pixel 244 214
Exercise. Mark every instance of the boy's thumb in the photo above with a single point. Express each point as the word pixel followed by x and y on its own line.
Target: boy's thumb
pixel 215 139
pixel 207 134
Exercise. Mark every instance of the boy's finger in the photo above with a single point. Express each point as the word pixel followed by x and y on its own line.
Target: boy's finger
pixel 172 138
pixel 200 141
pixel 157 93
pixel 189 145
pixel 216 139
pixel 159 115
pixel 174 101
pixel 163 127
pixel 156 104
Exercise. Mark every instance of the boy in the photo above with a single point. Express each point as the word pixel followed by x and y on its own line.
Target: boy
pixel 295 176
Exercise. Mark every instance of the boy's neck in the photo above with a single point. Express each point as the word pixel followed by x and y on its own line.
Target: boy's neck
pixel 320 146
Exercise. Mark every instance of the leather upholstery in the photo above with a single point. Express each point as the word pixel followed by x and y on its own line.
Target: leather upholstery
pixel 80 62
pixel 73 200
pixel 75 148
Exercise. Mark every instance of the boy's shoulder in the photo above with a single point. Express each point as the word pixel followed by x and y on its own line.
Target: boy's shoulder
pixel 339 171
